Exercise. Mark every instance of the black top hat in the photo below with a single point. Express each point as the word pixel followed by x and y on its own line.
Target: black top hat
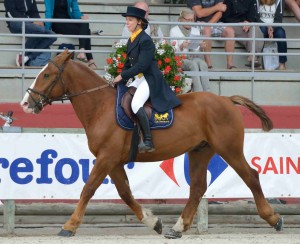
pixel 136 12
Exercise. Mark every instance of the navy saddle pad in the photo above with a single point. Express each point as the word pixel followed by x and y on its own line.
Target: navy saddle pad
pixel 157 120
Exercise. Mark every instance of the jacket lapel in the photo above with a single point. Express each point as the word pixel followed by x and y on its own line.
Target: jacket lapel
pixel 135 42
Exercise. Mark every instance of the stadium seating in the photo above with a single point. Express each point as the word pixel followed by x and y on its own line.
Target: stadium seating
pixel 278 89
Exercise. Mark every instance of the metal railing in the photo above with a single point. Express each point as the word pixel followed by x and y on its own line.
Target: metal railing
pixel 251 73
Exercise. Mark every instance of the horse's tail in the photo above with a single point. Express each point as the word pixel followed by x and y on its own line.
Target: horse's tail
pixel 134 144
pixel 266 122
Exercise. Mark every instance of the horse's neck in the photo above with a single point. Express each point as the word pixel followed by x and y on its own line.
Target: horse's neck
pixel 86 105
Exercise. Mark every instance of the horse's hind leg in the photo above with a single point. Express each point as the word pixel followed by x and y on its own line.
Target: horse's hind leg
pixel 234 156
pixel 251 178
pixel 120 179
pixel 198 162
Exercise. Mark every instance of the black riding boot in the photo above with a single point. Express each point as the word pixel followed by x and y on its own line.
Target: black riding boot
pixel 147 145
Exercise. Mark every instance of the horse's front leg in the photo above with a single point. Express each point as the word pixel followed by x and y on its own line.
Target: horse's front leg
pixel 198 162
pixel 100 170
pixel 118 175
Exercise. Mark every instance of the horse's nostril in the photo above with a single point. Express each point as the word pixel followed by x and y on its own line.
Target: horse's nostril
pixel 24 104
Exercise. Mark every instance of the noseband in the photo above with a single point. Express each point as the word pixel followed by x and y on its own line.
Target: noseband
pixel 44 98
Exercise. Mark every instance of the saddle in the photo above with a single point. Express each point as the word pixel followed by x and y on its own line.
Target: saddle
pixel 125 117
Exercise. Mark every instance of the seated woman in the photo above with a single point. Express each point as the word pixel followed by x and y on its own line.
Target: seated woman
pixel 192 63
pixel 271 11
pixel 69 9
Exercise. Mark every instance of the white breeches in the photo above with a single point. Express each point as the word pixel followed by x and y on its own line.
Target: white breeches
pixel 141 95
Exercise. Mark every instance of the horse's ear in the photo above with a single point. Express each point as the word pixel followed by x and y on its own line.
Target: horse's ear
pixel 65 51
pixel 70 56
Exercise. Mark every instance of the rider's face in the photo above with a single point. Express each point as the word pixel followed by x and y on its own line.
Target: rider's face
pixel 133 23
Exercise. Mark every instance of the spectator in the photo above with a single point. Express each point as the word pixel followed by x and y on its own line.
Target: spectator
pixel 69 9
pixel 28 9
pixel 152 30
pixel 244 11
pixel 294 6
pixel 200 83
pixel 271 11
pixel 211 12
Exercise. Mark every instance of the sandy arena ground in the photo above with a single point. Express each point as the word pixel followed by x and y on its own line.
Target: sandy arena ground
pixel 134 234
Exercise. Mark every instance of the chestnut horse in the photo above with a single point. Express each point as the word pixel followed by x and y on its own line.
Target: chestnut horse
pixel 204 124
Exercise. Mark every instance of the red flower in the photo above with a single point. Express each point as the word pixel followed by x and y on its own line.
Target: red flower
pixel 120 65
pixel 167 69
pixel 177 89
pixel 119 71
pixel 124 55
pixel 109 60
pixel 183 56
pixel 177 58
pixel 167 60
pixel 177 78
pixel 179 63
pixel 159 62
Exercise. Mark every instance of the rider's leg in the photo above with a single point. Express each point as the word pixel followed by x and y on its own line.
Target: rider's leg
pixel 140 97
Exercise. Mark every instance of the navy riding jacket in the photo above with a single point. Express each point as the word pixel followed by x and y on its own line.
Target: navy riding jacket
pixel 140 59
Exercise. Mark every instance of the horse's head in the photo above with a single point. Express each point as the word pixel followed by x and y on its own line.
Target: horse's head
pixel 47 86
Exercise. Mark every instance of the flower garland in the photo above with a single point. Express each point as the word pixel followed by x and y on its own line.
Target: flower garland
pixel 115 61
pixel 169 63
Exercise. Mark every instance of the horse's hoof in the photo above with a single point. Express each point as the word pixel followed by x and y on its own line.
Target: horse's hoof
pixel 279 224
pixel 172 234
pixel 66 233
pixel 158 226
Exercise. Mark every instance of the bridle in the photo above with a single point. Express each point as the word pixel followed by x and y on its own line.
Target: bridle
pixel 44 98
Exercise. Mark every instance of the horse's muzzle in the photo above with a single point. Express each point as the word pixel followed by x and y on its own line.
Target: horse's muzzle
pixel 35 109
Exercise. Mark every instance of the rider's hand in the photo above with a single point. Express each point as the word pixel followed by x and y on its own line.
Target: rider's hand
pixel 117 79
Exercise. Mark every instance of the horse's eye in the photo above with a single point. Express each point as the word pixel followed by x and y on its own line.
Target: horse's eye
pixel 46 75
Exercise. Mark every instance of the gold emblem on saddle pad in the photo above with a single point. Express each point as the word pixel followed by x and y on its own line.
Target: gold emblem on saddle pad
pixel 161 118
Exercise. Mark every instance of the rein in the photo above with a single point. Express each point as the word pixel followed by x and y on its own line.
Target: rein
pixel 44 98
pixel 68 96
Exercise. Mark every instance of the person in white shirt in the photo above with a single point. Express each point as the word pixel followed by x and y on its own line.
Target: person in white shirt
pixel 271 11
pixel 152 30
pixel 192 63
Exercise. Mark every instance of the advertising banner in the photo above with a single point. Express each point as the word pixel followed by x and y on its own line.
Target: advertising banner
pixel 57 165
